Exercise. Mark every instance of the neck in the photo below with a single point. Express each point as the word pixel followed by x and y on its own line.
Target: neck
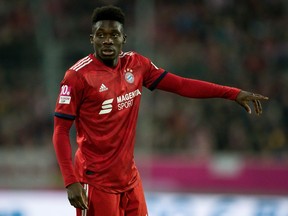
pixel 108 62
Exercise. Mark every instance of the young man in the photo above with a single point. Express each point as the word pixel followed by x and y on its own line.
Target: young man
pixel 102 93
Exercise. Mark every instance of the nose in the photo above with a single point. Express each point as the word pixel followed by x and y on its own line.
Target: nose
pixel 108 40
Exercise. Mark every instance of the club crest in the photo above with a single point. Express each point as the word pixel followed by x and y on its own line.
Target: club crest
pixel 129 77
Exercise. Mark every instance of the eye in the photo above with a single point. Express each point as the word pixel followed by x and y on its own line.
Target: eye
pixel 115 35
pixel 100 35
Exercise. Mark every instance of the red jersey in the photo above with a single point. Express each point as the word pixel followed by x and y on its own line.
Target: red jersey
pixel 104 103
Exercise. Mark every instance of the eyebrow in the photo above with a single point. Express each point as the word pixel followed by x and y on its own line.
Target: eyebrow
pixel 99 28
pixel 110 31
pixel 102 29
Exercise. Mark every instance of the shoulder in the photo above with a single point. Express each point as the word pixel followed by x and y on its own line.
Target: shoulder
pixel 133 56
pixel 82 64
pixel 78 69
pixel 127 54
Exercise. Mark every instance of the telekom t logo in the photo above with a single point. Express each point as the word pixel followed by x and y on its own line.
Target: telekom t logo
pixel 106 106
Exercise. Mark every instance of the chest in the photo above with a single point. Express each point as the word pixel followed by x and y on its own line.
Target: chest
pixel 117 84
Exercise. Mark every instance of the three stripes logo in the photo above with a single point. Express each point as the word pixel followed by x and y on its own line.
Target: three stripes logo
pixel 81 63
pixel 103 88
pixel 106 106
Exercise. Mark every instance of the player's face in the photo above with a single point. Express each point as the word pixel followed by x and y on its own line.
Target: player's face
pixel 107 39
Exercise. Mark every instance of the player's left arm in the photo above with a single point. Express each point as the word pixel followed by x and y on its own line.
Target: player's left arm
pixel 193 88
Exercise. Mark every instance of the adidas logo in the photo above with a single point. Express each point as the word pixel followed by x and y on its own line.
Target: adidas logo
pixel 103 88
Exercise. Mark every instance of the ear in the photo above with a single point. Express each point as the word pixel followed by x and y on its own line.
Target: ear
pixel 91 36
pixel 124 38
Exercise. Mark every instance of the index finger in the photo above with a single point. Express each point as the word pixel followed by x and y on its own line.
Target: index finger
pixel 259 97
pixel 78 203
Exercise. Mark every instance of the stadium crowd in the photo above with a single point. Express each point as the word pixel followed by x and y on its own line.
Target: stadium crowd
pixel 245 46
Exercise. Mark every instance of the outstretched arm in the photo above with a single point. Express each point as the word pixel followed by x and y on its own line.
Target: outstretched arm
pixel 193 88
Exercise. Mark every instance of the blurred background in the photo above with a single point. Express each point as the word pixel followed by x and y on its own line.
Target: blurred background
pixel 183 145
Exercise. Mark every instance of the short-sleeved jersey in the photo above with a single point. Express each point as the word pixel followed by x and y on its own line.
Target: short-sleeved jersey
pixel 104 103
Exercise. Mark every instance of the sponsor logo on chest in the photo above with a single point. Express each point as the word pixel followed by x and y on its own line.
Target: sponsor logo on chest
pixel 123 102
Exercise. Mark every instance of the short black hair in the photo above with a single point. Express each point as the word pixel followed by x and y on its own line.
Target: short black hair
pixel 108 13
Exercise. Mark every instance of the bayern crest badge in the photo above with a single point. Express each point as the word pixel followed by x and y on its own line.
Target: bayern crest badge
pixel 129 77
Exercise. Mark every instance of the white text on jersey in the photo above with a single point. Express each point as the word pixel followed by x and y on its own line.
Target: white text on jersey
pixel 128 96
pixel 126 100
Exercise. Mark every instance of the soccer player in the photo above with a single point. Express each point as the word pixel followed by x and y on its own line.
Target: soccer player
pixel 101 93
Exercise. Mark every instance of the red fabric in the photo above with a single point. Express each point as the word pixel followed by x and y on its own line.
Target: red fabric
pixel 196 88
pixel 63 149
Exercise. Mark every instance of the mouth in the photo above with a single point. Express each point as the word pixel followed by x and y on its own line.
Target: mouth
pixel 108 52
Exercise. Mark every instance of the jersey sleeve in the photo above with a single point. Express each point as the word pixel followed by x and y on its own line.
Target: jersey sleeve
pixel 63 149
pixel 70 96
pixel 153 75
pixel 193 88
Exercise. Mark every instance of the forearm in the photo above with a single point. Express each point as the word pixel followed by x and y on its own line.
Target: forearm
pixel 196 88
pixel 63 149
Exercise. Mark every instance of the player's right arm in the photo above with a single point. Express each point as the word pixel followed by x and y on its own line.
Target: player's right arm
pixel 67 105
pixel 76 193
pixel 65 113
